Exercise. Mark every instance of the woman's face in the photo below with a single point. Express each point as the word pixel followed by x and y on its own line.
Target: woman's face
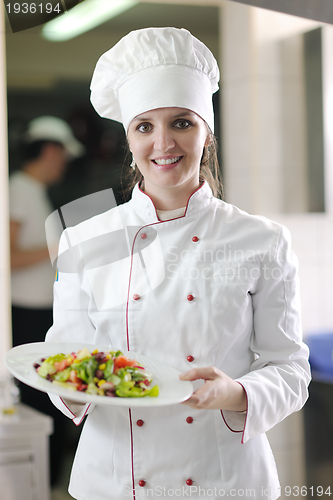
pixel 167 145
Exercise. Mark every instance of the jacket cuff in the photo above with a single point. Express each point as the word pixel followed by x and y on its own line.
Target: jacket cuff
pixel 236 420
pixel 75 411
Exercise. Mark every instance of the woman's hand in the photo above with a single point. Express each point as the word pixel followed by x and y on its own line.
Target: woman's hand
pixel 219 391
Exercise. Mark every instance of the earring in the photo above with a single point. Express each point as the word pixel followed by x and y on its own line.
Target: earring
pixel 133 164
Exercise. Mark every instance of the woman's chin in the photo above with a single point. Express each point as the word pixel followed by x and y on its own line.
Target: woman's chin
pixel 172 182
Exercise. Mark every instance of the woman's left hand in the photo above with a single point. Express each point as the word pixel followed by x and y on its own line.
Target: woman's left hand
pixel 219 392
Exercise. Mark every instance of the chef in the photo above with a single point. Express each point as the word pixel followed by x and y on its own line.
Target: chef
pixel 193 282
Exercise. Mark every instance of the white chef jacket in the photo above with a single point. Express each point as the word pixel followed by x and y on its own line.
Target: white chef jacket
pixel 215 287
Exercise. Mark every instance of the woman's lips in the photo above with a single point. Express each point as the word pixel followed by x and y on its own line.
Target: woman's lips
pixel 167 163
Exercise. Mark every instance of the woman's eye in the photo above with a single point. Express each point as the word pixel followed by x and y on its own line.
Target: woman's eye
pixel 182 124
pixel 144 127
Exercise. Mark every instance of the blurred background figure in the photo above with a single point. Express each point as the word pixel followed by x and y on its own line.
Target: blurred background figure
pixel 47 146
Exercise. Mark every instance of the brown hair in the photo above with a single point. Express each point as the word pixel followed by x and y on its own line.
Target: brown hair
pixel 209 171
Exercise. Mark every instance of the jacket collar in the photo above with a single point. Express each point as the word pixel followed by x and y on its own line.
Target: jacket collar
pixel 200 199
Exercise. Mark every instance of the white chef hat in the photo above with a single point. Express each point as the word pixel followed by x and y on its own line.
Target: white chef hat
pixel 51 128
pixel 155 68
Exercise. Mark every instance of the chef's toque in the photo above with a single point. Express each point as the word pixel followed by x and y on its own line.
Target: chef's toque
pixel 155 68
pixel 51 128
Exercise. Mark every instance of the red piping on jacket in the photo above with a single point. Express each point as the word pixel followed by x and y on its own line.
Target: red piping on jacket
pixel 74 416
pixel 247 409
pixel 132 452
pixel 232 430
pixel 175 217
pixel 132 250
pixel 127 304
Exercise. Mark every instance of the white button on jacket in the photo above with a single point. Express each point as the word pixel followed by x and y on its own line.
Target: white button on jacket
pixel 216 287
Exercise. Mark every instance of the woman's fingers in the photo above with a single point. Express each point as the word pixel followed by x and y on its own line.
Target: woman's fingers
pixel 203 397
pixel 218 392
pixel 205 373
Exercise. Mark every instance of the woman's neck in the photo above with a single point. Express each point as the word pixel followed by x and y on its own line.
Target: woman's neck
pixel 169 198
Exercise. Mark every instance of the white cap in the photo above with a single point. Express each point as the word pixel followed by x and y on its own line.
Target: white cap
pixel 50 128
pixel 155 68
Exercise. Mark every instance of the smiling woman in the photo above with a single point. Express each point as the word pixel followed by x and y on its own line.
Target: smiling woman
pixel 230 325
pixel 209 169
pixel 167 145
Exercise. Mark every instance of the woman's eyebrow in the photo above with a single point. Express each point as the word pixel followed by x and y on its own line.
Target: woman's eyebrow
pixel 186 113
pixel 148 118
pixel 142 119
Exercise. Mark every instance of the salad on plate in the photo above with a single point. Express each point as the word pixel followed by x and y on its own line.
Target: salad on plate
pixel 108 374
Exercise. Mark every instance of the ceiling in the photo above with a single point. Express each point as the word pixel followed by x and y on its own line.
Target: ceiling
pixel 195 18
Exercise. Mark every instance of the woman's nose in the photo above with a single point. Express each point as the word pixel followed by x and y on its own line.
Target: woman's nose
pixel 164 140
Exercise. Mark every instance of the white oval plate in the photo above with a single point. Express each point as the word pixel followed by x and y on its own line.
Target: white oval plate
pixel 20 360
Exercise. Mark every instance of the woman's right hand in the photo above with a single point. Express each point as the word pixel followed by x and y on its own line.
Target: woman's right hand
pixel 219 392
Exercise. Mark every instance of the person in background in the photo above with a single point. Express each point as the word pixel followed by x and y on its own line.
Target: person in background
pixel 47 146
